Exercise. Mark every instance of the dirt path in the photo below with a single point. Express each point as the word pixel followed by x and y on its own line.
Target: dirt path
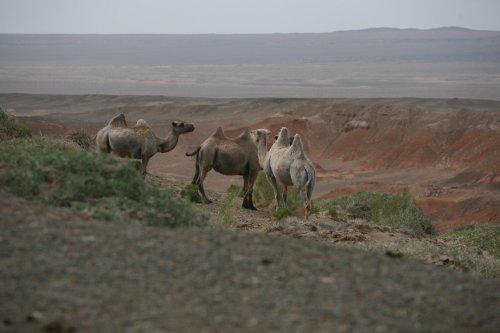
pixel 61 272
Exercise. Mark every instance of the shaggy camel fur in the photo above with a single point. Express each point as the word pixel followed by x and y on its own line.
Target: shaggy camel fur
pixel 228 156
pixel 286 164
pixel 138 141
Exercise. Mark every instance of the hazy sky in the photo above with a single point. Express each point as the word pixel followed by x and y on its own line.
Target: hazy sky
pixel 240 16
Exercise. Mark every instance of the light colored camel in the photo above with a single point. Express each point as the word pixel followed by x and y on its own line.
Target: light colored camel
pixel 228 156
pixel 286 164
pixel 138 141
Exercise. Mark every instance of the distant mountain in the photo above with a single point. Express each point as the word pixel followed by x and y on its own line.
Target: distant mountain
pixel 389 29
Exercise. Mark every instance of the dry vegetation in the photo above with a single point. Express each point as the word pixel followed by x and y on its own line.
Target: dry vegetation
pixel 60 173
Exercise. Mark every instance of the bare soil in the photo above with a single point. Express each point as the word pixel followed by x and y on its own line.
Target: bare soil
pixel 61 272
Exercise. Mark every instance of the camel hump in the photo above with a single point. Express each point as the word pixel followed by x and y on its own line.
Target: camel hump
pixel 282 139
pixel 219 134
pixel 141 123
pixel 297 145
pixel 118 121
pixel 245 135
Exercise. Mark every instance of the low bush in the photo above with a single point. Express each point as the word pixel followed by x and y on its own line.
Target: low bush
pixel 10 128
pixel 61 174
pixel 484 238
pixel 393 210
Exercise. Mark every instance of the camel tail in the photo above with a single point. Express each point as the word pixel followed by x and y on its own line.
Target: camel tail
pixel 311 179
pixel 193 152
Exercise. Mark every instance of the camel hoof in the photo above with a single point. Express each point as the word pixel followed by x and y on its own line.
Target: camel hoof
pixel 248 206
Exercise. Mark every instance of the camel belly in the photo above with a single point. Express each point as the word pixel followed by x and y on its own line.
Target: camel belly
pixel 281 172
pixel 230 164
pixel 124 146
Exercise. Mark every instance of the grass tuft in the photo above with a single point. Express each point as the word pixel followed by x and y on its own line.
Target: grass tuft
pixel 226 212
pixel 190 192
pixel 82 139
pixel 10 128
pixel 61 174
pixel 282 213
pixel 393 210
pixel 263 192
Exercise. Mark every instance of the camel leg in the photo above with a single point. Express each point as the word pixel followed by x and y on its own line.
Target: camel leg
pixel 307 203
pixel 197 171
pixel 201 179
pixel 285 195
pixel 144 165
pixel 248 200
pixel 277 194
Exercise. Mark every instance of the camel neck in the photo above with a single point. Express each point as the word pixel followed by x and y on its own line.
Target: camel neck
pixel 169 143
pixel 262 151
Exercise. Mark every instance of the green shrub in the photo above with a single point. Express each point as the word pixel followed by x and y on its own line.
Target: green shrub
pixel 191 193
pixel 10 128
pixel 61 174
pixel 281 213
pixel 226 212
pixel 393 210
pixel 263 192
pixel 82 139
pixel 484 238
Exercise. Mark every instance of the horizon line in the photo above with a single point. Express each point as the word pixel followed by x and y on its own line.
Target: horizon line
pixel 255 33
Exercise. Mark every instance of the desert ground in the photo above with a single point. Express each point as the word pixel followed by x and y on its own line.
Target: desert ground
pixel 65 268
pixel 65 271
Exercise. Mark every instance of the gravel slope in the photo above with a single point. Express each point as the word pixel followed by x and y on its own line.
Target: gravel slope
pixel 76 274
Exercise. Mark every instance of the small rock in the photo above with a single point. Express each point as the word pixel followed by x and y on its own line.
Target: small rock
pixel 7 322
pixel 444 259
pixel 266 261
pixel 59 327
pixel 393 254
pixel 326 279
pixel 34 317
pixel 88 239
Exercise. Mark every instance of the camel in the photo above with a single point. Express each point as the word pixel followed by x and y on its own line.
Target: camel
pixel 138 141
pixel 229 156
pixel 287 165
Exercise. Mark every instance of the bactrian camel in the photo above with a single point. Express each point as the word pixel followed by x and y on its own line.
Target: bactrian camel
pixel 286 165
pixel 138 141
pixel 228 156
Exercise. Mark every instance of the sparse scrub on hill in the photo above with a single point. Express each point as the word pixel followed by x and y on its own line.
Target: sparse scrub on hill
pixel 226 218
pixel 10 128
pixel 393 210
pixel 454 255
pixel 483 238
pixel 81 138
pixel 61 174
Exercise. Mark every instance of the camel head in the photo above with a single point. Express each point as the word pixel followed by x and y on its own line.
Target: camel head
pixel 259 135
pixel 181 127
